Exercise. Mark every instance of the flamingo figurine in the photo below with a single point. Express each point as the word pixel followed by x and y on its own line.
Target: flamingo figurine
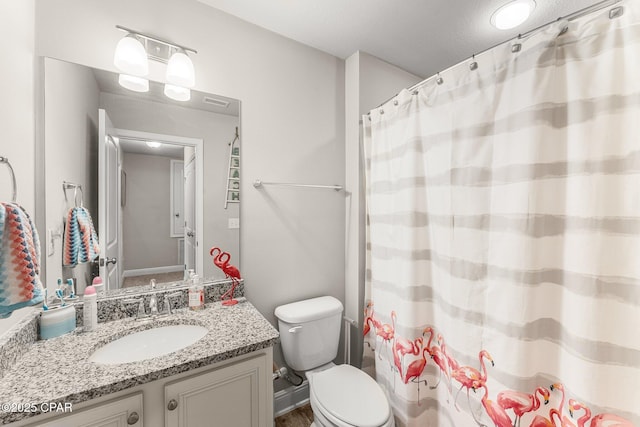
pixel 600 420
pixel 231 272
pixel 216 258
pixel 493 410
pixel 414 371
pixel 470 377
pixel 521 403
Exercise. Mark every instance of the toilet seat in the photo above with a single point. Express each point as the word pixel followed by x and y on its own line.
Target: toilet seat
pixel 346 396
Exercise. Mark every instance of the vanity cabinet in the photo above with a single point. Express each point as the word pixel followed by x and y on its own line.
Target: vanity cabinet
pixel 124 412
pixel 223 397
pixel 236 392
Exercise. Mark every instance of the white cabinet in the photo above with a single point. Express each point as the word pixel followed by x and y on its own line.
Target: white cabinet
pixel 124 412
pixel 229 396
pixel 236 392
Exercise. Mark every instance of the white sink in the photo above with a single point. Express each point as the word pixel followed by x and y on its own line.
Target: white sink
pixel 148 344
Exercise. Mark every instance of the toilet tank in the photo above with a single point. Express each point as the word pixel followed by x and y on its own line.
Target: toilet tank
pixel 310 331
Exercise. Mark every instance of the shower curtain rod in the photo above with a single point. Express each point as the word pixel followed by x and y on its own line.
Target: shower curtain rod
pixel 572 16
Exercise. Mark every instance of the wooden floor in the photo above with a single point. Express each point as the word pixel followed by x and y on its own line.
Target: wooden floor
pixel 301 417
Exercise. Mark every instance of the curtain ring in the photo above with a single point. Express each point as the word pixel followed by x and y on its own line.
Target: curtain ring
pixel 516 48
pixel 395 102
pixel 439 80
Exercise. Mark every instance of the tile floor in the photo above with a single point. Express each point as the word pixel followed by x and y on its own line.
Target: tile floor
pixel 301 417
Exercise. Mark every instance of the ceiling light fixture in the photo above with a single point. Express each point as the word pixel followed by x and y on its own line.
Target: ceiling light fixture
pixel 153 144
pixel 132 56
pixel 512 14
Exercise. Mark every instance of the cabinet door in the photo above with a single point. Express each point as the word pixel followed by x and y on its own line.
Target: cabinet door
pixel 231 396
pixel 125 412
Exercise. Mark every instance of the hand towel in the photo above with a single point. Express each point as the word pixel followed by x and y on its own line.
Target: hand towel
pixel 20 283
pixel 80 240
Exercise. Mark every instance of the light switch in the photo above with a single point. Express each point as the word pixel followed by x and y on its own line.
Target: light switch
pixel 234 223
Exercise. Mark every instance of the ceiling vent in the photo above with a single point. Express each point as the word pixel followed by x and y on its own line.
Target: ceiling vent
pixel 215 101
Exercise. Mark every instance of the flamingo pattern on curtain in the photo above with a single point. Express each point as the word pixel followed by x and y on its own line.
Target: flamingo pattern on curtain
pixel 503 234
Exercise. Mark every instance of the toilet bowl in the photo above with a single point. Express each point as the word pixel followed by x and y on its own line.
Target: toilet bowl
pixel 340 395
pixel 344 396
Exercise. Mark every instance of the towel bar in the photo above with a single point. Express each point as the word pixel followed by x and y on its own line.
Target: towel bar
pixel 14 197
pixel 258 183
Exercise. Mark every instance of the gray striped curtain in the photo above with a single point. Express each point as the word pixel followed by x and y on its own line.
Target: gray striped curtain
pixel 503 235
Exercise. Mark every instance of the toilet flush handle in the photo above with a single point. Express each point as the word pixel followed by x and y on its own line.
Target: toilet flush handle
pixel 295 329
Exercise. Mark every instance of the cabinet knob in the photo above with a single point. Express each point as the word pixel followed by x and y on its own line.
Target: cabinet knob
pixel 173 404
pixel 133 418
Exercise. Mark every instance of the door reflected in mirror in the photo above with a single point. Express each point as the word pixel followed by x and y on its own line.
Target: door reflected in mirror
pixel 160 177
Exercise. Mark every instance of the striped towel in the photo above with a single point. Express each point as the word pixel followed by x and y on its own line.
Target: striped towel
pixel 80 240
pixel 20 284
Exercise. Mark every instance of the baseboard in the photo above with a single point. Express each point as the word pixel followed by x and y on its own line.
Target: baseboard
pixel 152 270
pixel 290 398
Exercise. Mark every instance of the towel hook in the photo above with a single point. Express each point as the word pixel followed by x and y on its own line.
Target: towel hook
pixel 68 185
pixel 14 195
pixel 75 196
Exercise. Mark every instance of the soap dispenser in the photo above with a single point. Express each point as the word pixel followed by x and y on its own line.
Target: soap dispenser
pixel 90 309
pixel 196 293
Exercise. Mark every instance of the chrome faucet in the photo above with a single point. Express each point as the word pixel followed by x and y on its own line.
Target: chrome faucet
pixel 153 301
pixel 153 304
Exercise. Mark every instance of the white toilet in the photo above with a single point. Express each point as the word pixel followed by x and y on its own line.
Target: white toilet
pixel 341 396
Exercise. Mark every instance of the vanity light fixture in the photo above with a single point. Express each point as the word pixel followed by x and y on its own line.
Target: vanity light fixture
pixel 134 83
pixel 180 70
pixel 177 93
pixel 512 14
pixel 132 56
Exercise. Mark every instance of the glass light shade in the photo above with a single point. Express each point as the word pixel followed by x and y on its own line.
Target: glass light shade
pixel 180 70
pixel 136 84
pixel 131 57
pixel 176 92
pixel 512 14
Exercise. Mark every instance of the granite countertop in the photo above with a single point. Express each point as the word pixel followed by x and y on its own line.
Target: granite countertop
pixel 58 370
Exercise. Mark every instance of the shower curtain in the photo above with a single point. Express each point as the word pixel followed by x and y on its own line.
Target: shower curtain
pixel 503 234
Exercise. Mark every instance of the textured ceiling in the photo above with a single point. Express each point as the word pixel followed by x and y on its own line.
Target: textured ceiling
pixel 420 36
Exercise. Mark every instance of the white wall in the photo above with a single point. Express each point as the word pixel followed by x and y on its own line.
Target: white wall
pixel 369 82
pixel 146 240
pixel 71 131
pixel 17 109
pixel 292 240
pixel 216 131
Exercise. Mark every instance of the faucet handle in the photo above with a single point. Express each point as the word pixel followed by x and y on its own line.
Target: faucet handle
pixel 138 302
pixel 167 307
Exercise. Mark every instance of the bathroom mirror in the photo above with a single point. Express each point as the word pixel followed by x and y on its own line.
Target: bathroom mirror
pixel 159 178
